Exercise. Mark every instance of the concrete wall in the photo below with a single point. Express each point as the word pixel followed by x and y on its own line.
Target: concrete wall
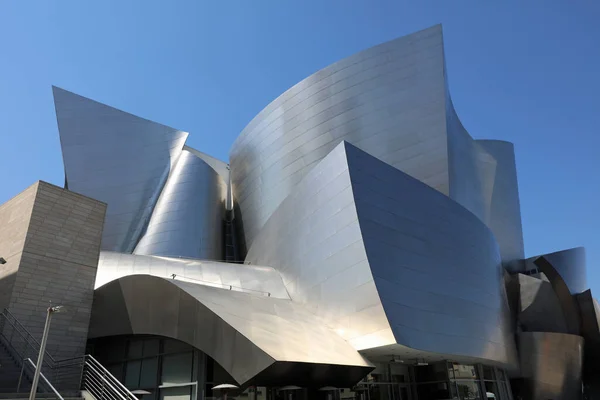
pixel 57 264
pixel 14 221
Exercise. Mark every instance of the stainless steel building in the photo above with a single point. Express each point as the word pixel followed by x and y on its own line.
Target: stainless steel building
pixel 359 244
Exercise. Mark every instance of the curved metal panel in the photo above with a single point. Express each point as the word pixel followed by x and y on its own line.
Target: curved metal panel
pixel 255 279
pixel 567 302
pixel 385 258
pixel 551 366
pixel 504 208
pixel 245 334
pixel 570 264
pixel 539 308
pixel 117 158
pixel 188 218
pixel 387 100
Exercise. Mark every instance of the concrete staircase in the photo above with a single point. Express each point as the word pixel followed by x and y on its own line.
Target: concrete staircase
pixel 10 371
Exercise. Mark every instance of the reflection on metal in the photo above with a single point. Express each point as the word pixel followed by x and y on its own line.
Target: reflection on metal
pixel 391 101
pixel 252 337
pixel 539 308
pixel 388 260
pixel 567 301
pixel 263 281
pixel 188 218
pixel 117 158
pixel 503 207
pixel 550 366
pixel 570 264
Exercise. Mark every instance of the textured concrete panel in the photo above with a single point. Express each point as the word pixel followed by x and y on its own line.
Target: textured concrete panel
pixel 388 260
pixel 117 158
pixel 188 218
pixel 244 333
pixel 550 365
pixel 504 215
pixel 255 279
pixel 15 215
pixel 58 266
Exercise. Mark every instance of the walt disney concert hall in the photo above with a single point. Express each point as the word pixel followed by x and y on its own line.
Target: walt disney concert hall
pixel 358 244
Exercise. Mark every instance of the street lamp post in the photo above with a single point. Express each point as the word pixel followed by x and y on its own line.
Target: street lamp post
pixel 38 366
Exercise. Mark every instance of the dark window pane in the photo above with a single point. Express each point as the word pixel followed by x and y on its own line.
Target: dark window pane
pixel 151 347
pixel 135 349
pixel 132 374
pixel 177 368
pixel 491 390
pixel 488 373
pixel 149 372
pixel 431 373
pixel 468 390
pixel 433 391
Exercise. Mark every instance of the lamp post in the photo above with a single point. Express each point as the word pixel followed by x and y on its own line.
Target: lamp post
pixel 38 367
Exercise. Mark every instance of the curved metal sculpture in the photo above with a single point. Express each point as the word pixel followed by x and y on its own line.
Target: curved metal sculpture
pixel 550 365
pixel 391 101
pixel 188 218
pixel 387 260
pixel 240 331
pixel 256 279
pixel 117 158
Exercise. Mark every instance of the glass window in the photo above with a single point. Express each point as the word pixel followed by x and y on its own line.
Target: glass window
pixel 151 347
pixel 431 373
pixel 176 393
pixel 177 368
pixel 132 374
pixel 135 349
pixel 462 371
pixel 501 375
pixel 116 370
pixel 433 391
pixel 488 373
pixel 399 373
pixel 468 390
pixel 491 390
pixel 149 372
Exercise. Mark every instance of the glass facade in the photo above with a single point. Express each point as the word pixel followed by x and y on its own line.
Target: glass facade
pixel 172 370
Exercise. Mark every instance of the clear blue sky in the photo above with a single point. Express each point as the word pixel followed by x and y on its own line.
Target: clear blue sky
pixel 523 71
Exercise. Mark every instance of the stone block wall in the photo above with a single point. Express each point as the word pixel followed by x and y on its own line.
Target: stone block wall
pixel 57 266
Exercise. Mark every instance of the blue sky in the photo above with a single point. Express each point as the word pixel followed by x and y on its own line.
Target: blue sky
pixel 526 72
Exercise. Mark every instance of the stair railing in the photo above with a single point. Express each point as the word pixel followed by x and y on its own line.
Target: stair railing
pixel 27 362
pixel 101 383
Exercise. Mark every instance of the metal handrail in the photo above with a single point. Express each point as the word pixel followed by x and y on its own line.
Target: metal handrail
pixel 95 374
pixel 7 314
pixel 25 335
pixel 222 285
pixel 31 364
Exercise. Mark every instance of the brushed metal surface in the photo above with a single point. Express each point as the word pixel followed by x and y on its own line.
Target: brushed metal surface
pixel 246 334
pixel 256 279
pixel 504 208
pixel 387 100
pixel 117 158
pixel 551 365
pixel 188 217
pixel 388 260
pixel 539 307
pixel 391 101
pixel 570 264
